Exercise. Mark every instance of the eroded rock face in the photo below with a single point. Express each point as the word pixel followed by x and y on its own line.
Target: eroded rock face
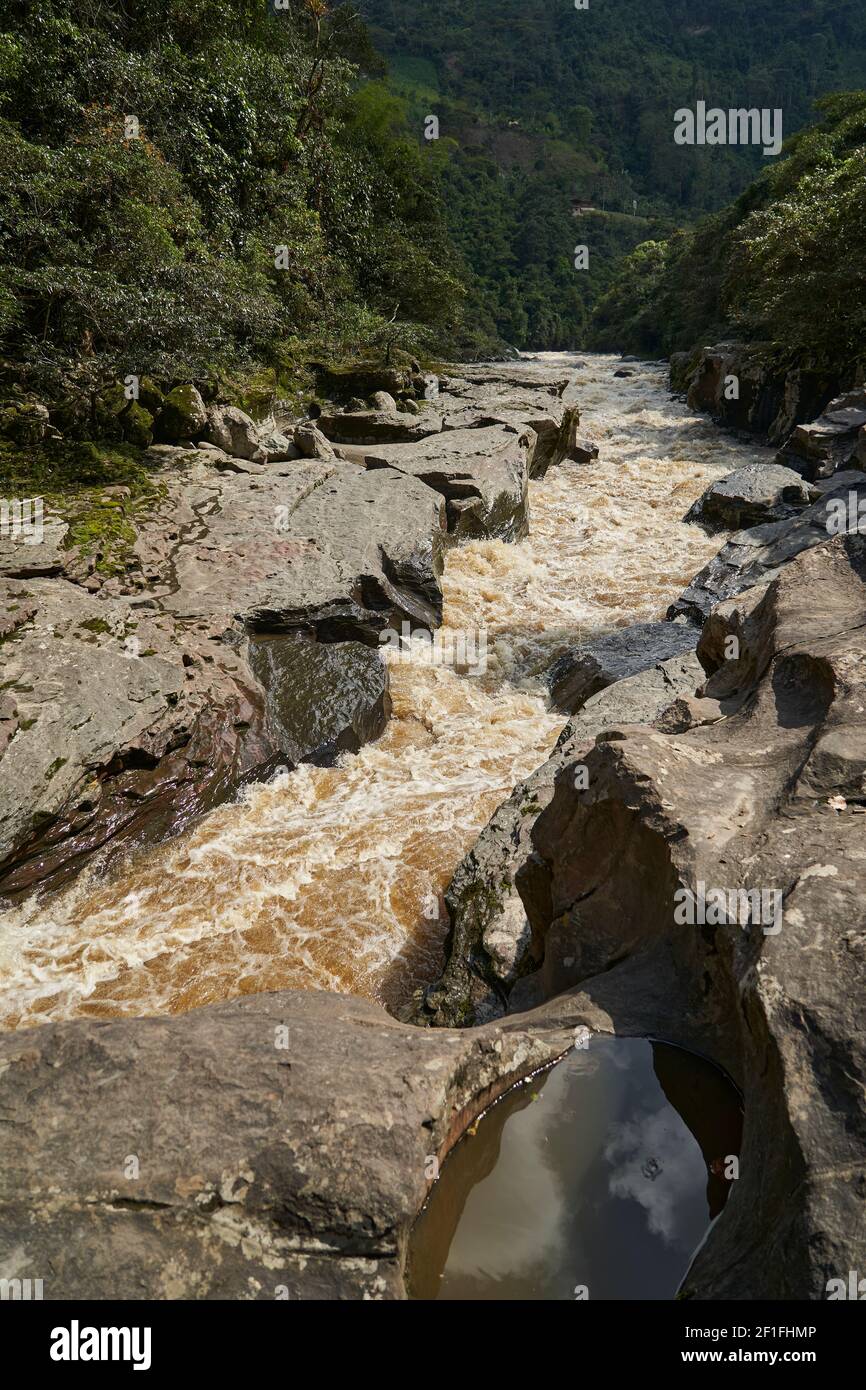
pixel 770 398
pixel 286 1157
pixel 751 496
pixel 491 946
pixel 768 799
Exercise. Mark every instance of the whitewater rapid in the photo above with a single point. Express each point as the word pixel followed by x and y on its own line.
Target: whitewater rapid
pixel 331 878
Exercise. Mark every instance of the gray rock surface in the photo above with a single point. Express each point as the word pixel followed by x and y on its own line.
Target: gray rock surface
pixel 377 426
pixel 326 548
pixel 129 712
pixel 490 945
pixel 485 397
pixel 750 496
pixel 756 555
pixel 769 798
pixel 481 473
pixel 235 432
pixel 830 443
pixel 284 1145
pixel 618 654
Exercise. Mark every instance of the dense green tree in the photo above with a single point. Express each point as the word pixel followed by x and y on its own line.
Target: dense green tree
pixel 195 187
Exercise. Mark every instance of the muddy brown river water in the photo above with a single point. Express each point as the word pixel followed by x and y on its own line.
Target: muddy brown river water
pixel 330 878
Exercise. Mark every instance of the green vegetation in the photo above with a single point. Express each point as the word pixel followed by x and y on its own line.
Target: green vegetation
pixel 72 477
pixel 154 252
pixel 208 191
pixel 785 264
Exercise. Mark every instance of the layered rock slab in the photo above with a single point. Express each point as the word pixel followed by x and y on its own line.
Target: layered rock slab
pixel 483 397
pixel 757 555
pixel 127 714
pixel 282 1145
pixel 482 474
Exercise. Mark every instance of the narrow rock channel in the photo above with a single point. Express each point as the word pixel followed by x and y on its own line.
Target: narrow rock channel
pixel 332 877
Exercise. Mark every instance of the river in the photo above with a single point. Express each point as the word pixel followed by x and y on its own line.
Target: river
pixel 330 878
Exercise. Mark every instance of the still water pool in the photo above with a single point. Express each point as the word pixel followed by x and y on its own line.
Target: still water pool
pixel 597 1179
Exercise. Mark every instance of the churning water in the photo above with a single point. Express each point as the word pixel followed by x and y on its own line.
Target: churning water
pixel 330 878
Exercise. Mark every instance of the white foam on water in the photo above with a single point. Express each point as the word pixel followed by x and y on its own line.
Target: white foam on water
pixel 322 877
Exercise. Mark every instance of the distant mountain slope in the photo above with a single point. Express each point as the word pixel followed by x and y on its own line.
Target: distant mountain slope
pixel 541 104
pixel 785 264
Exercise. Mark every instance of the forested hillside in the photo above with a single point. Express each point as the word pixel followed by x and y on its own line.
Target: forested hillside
pixel 541 104
pixel 785 263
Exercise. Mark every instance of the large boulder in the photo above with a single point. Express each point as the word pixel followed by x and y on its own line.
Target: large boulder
pixel 325 548
pixel 481 473
pixel 235 432
pixel 321 698
pixel 599 662
pixel 750 496
pixel 286 1156
pixel 311 443
pixel 484 397
pixel 183 416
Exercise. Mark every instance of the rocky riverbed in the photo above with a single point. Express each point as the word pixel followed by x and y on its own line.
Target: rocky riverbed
pixel 215 786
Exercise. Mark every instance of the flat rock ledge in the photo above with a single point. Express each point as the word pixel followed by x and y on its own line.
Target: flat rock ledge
pixel 131 704
pixel 282 1146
